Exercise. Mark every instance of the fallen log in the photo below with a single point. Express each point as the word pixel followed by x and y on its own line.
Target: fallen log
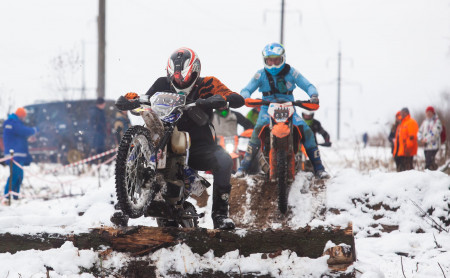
pixel 140 240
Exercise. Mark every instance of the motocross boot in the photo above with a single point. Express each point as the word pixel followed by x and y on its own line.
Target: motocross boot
pixel 314 157
pixel 252 151
pixel 220 211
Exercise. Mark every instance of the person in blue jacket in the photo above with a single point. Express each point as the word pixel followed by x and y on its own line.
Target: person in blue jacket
pixel 97 122
pixel 277 81
pixel 15 137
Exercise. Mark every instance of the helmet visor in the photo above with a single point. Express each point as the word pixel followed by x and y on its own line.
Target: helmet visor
pixel 307 116
pixel 178 79
pixel 273 60
pixel 182 81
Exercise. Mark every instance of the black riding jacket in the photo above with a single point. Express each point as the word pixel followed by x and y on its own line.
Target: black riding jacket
pixel 201 136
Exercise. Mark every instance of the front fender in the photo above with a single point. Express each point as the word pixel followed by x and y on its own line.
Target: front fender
pixel 281 130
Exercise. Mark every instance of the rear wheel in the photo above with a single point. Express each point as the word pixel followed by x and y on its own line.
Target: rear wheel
pixel 282 175
pixel 133 173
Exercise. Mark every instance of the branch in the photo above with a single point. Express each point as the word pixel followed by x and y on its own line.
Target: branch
pixel 435 242
pixel 401 261
pixel 425 214
pixel 441 269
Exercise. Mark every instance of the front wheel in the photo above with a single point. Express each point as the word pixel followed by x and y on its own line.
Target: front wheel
pixel 192 220
pixel 134 185
pixel 282 175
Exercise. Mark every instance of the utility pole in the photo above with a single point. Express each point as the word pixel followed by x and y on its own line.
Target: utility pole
pixel 339 96
pixel 339 84
pixel 101 48
pixel 282 18
pixel 282 23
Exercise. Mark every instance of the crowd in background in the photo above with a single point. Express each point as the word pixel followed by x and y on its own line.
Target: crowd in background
pixel 406 136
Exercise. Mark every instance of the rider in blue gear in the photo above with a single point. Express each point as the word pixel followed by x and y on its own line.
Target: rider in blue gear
pixel 277 81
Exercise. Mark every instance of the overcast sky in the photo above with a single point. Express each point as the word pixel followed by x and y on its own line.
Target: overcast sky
pixel 395 53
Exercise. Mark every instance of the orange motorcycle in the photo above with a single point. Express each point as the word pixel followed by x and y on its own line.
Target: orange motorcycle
pixel 230 145
pixel 281 144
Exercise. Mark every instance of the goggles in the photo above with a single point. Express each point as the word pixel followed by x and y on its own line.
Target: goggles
pixel 273 61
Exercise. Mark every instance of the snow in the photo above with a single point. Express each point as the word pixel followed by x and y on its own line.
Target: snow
pixel 363 190
pixel 285 265
pixel 65 260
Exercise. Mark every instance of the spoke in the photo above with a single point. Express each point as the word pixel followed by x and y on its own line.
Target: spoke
pixel 135 164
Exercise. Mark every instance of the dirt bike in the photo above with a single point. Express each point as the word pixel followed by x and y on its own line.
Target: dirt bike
pixel 152 175
pixel 280 158
pixel 230 145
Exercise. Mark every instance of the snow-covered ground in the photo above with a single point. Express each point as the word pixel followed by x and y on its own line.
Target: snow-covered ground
pixel 384 207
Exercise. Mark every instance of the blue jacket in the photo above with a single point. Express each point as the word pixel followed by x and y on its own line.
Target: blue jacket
pixel 293 79
pixel 15 134
pixel 98 125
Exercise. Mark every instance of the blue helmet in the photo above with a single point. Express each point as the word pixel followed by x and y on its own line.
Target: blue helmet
pixel 274 58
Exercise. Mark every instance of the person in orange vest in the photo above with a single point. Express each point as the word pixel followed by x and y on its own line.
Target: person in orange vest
pixel 405 144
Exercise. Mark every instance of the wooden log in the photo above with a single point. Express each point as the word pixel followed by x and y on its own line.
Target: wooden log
pixel 140 240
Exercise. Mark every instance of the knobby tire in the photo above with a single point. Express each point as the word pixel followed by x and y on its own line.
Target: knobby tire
pixel 282 175
pixel 126 203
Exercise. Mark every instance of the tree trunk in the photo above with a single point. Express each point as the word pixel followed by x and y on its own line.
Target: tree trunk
pixel 140 240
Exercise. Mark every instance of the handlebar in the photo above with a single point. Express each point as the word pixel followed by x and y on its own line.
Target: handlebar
pixel 305 104
pixel 124 104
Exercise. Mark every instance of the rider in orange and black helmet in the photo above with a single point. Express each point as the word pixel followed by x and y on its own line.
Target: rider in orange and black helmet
pixel 183 76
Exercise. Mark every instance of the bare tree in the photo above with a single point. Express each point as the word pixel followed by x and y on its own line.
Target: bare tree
pixel 66 68
pixel 7 103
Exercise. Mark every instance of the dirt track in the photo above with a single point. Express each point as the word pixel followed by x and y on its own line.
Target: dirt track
pixel 255 205
pixel 259 201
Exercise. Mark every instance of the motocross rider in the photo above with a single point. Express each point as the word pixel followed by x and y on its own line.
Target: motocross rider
pixel 277 82
pixel 316 127
pixel 226 122
pixel 183 76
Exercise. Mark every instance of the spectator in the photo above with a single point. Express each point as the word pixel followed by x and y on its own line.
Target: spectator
pixel 121 124
pixel 15 135
pixel 316 127
pixel 391 138
pixel 430 137
pixel 98 124
pixel 365 139
pixel 405 144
